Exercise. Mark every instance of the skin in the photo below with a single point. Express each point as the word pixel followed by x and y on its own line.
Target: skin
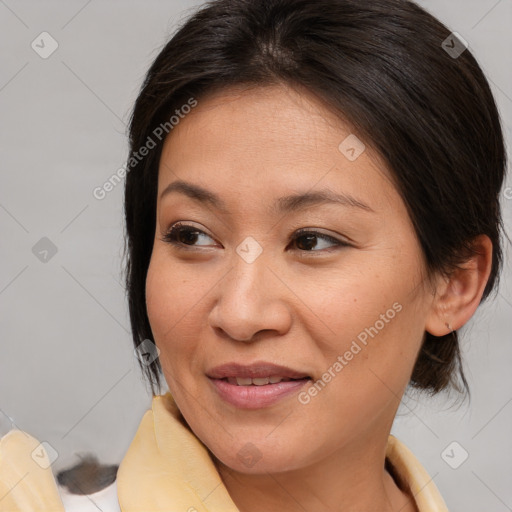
pixel 296 305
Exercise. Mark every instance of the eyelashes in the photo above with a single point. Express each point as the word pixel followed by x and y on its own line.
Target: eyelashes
pixel 184 236
pixel 174 234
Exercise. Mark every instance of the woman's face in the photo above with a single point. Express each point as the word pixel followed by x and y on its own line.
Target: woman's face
pixel 349 311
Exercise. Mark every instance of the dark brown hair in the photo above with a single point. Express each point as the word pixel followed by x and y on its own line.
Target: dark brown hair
pixel 380 65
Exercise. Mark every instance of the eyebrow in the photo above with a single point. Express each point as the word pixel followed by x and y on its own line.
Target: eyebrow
pixel 282 205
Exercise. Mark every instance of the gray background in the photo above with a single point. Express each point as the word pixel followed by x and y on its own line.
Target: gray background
pixel 68 374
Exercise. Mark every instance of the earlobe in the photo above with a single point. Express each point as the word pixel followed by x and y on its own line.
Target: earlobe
pixel 458 296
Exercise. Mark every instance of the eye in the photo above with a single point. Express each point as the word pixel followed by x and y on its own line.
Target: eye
pixel 309 240
pixel 185 236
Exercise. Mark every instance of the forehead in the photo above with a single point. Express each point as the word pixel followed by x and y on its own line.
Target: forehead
pixel 268 142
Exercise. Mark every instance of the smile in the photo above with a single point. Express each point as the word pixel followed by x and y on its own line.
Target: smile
pixel 247 393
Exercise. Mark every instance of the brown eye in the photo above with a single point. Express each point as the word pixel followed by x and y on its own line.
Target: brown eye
pixel 306 240
pixel 184 235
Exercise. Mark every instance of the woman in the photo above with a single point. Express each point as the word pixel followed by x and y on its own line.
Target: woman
pixel 312 213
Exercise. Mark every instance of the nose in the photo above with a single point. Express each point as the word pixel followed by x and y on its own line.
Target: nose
pixel 251 300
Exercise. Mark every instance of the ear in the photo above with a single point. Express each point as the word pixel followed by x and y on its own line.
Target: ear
pixel 458 296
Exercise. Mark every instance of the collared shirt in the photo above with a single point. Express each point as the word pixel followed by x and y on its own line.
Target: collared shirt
pixel 166 468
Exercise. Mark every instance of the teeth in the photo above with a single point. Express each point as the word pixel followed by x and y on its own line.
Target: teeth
pixel 261 381
pixel 241 381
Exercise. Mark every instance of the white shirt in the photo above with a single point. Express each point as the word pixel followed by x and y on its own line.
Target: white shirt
pixel 104 500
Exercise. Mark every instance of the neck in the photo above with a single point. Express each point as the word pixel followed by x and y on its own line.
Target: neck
pixel 352 478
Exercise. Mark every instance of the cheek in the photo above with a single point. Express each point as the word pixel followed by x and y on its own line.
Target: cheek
pixel 164 307
pixel 174 305
pixel 375 334
pixel 364 380
pixel 158 296
pixel 168 295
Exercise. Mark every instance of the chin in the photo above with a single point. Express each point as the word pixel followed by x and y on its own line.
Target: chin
pixel 251 459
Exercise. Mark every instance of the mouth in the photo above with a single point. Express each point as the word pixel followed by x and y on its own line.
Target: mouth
pixel 259 373
pixel 257 385
pixel 260 381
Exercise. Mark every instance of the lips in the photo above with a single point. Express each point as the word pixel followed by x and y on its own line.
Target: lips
pixel 256 370
pixel 257 385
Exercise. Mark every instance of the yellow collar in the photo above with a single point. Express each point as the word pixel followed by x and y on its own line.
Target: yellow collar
pixel 166 468
pixel 167 464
